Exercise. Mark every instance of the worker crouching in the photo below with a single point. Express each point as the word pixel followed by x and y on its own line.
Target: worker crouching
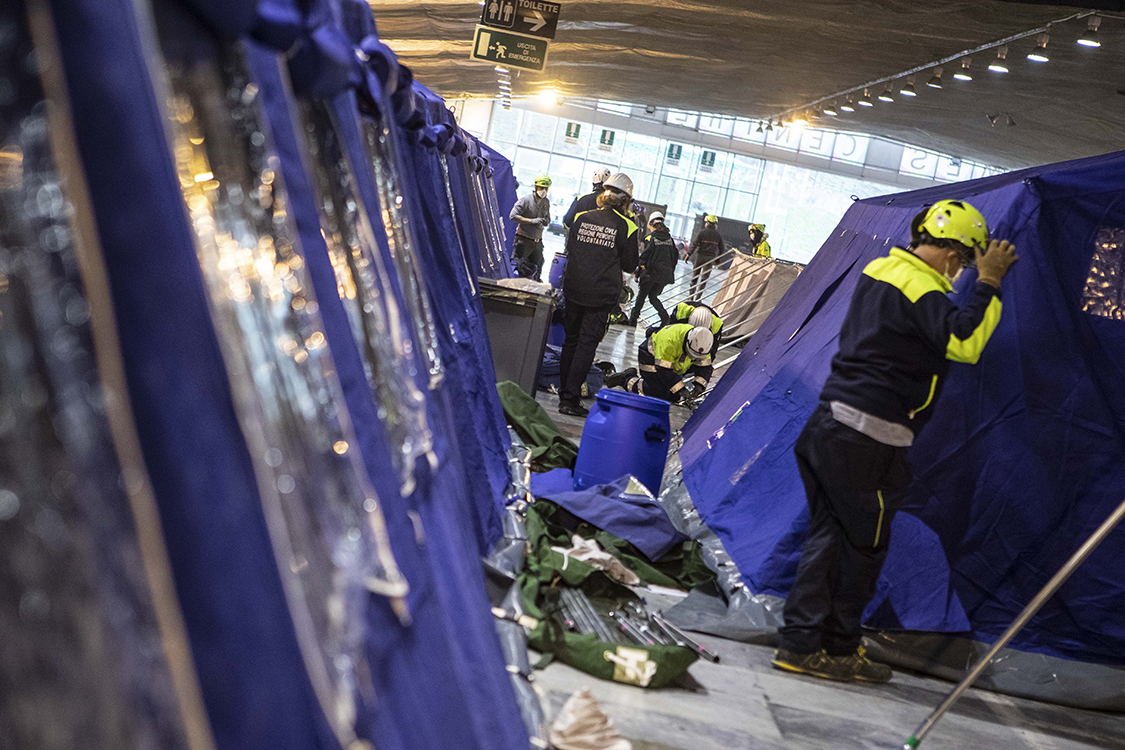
pixel 667 357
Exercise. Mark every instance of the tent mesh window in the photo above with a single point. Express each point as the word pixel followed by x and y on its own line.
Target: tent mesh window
pixel 1105 286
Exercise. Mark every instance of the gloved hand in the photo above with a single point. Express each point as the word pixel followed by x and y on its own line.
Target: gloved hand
pixel 545 221
pixel 697 389
pixel 994 263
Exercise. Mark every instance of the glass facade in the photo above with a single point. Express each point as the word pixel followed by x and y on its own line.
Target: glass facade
pixel 799 206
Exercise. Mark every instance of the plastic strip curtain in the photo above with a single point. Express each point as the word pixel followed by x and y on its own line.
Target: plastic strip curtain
pixel 363 284
pixel 386 160
pixel 83 663
pixel 469 274
pixel 323 514
pixel 488 214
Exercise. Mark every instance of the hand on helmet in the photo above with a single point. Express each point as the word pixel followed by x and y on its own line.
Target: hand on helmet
pixel 995 262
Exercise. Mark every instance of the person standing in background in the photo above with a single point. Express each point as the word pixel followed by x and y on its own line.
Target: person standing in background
pixel 589 201
pixel 531 214
pixel 657 268
pixel 706 246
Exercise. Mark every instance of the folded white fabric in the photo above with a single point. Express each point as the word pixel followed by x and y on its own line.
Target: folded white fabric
pixel 582 725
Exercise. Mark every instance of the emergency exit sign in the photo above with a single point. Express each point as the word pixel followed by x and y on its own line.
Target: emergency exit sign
pixel 506 48
pixel 675 151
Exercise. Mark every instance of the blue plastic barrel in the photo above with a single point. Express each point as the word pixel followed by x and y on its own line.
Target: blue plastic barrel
pixel 624 434
pixel 558 264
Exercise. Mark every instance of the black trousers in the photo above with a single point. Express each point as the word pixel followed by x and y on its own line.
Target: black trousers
pixel 652 293
pixel 699 274
pixel 854 487
pixel 585 327
pixel 529 257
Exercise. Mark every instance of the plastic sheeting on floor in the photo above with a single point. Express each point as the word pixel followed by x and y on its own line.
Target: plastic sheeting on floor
pixel 1024 457
pixel 283 232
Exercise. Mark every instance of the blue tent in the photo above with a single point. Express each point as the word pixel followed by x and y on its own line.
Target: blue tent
pixel 1024 457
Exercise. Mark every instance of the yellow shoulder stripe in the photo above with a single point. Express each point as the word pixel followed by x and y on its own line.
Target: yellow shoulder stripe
pixel 969 350
pixel 912 276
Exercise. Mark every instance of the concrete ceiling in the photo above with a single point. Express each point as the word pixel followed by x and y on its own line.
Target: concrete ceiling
pixel 759 58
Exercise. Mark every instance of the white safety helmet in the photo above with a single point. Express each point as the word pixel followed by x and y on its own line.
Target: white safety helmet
pixel 601 174
pixel 620 181
pixel 700 318
pixel 699 342
pixel 656 216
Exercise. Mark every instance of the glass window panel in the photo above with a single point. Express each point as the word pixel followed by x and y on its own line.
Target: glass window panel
pixel 674 193
pixel 641 152
pixel 606 146
pixel 568 179
pixel 505 125
pixel 538 130
pixel 918 162
pixel 746 173
pixel 686 163
pixel 642 185
pixel 953 170
pixel 528 165
pixel 817 142
pixel 786 138
pixel 713 166
pixel 717 125
pixel 740 205
pixel 573 138
pixel 706 199
pixel 850 148
pixel 507 149
pixel 683 119
pixel 747 130
pixel 617 108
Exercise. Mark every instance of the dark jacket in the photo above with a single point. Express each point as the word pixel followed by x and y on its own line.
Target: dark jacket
pixel 706 245
pixel 600 246
pixel 659 258
pixel 899 336
pixel 587 202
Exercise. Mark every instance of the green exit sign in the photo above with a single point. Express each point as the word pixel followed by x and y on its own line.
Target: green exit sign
pixel 506 48
pixel 707 159
pixel 675 152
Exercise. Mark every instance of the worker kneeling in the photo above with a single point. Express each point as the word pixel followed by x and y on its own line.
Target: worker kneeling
pixel 666 357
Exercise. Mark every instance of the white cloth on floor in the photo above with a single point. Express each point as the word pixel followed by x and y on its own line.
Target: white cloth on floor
pixel 582 725
pixel 588 551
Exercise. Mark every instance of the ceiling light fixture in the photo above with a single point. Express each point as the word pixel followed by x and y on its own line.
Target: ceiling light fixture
pixel 1089 37
pixel 847 106
pixel 1039 54
pixel 865 101
pixel 761 128
pixel 908 89
pixel 769 126
pixel 1011 122
pixel 548 96
pixel 830 110
pixel 888 94
pixel 1000 64
pixel 500 69
pixel 935 79
pixel 963 74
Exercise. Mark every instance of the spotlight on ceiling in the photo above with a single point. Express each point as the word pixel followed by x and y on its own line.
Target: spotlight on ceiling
pixel 549 96
pixel 816 113
pixel 1039 54
pixel 761 128
pixel 963 74
pixel 865 100
pixel 847 106
pixel 1000 64
pixel 830 110
pixel 992 119
pixel 935 79
pixel 1089 37
pixel 769 126
pixel 908 89
pixel 888 94
pixel 799 121
pixel 1011 122
pixel 500 69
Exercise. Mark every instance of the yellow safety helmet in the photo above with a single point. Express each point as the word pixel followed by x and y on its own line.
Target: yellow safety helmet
pixel 543 181
pixel 711 219
pixel 953 220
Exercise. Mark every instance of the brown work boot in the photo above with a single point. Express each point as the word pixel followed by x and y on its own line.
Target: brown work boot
pixel 818 664
pixel 863 669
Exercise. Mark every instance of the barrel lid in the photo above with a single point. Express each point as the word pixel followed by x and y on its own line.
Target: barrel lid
pixel 634 400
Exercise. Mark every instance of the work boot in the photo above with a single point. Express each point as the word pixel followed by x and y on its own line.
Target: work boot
pixel 573 409
pixel 863 669
pixel 618 380
pixel 818 664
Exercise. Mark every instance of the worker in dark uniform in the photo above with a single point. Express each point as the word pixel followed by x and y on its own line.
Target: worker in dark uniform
pixel 757 244
pixel 657 268
pixel 601 246
pixel 706 246
pixel 896 342
pixel 589 201
pixel 531 214
pixel 666 357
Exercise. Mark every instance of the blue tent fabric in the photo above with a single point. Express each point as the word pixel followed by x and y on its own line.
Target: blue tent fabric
pixel 504 182
pixel 1025 454
pixel 255 687
pixel 635 517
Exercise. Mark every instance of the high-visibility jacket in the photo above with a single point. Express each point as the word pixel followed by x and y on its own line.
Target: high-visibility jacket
pixel 899 336
pixel 668 346
pixel 683 312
